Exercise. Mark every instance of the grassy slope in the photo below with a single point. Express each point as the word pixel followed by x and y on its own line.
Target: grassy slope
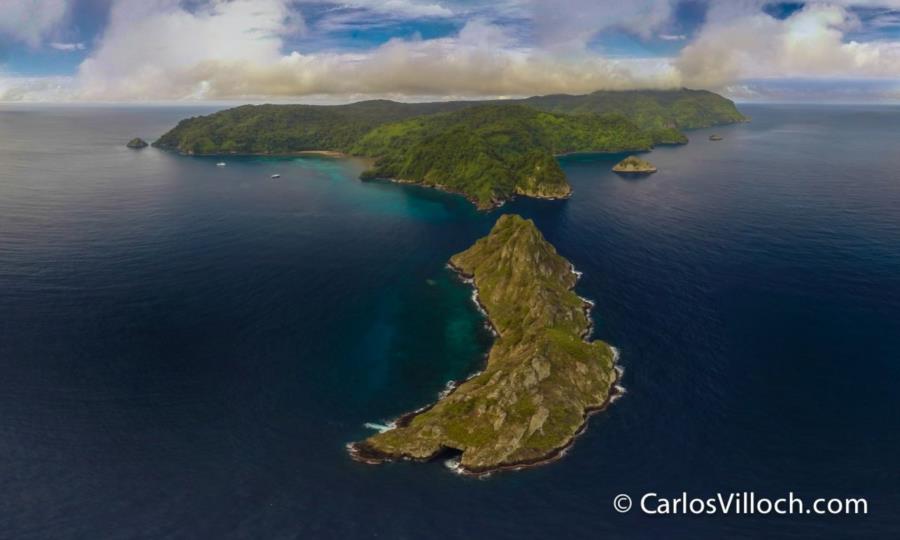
pixel 541 376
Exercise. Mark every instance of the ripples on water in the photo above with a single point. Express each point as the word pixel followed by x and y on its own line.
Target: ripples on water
pixel 186 349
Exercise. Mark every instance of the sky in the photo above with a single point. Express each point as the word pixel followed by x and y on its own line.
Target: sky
pixel 324 51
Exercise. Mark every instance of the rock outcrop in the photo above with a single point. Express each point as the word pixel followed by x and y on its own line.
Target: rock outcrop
pixel 137 143
pixel 634 165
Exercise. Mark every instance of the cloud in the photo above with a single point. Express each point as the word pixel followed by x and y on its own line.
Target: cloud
pixel 67 46
pixel 357 15
pixel 150 46
pixel 481 60
pixel 568 24
pixel 156 49
pixel 35 88
pixel 808 43
pixel 237 50
pixel 30 21
pixel 402 8
pixel 471 64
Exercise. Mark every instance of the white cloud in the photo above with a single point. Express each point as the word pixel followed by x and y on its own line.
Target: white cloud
pixel 235 50
pixel 358 15
pixel 14 88
pixel 67 46
pixel 568 24
pixel 30 21
pixel 155 50
pixel 150 45
pixel 809 43
pixel 481 60
pixel 402 8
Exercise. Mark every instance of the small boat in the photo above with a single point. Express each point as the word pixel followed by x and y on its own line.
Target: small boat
pixel 715 137
pixel 276 176
pixel 220 164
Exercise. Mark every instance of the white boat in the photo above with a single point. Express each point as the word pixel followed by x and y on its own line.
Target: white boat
pixel 220 164
pixel 276 176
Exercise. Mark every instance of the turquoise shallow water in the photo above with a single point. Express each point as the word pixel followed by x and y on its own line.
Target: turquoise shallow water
pixel 186 349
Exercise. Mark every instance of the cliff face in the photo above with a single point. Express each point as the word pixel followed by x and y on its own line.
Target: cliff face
pixel 541 377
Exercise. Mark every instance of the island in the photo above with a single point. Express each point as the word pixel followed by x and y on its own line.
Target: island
pixel 487 151
pixel 634 165
pixel 137 143
pixel 543 374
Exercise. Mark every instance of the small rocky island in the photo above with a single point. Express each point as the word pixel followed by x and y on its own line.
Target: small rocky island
pixel 137 143
pixel 715 137
pixel 634 165
pixel 542 378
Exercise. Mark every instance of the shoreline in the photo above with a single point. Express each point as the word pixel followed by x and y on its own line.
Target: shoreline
pixel 334 154
pixel 329 154
pixel 495 204
pixel 641 172
pixel 363 453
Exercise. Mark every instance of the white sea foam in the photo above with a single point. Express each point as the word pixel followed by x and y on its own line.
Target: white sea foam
pixel 454 465
pixel 618 389
pixel 576 272
pixel 617 394
pixel 380 428
pixel 477 302
pixel 449 387
pixel 474 374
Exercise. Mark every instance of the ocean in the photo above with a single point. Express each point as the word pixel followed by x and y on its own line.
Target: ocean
pixel 186 349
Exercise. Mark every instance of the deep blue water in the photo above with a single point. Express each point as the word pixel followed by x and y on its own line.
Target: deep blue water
pixel 186 349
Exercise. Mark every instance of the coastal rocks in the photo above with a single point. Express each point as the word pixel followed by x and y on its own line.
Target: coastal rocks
pixel 542 377
pixel 137 143
pixel 634 165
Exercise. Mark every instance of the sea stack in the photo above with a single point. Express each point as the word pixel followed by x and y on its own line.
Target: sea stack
pixel 137 143
pixel 634 165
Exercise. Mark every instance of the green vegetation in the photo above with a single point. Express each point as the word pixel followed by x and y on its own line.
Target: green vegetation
pixel 489 150
pixel 491 153
pixel 667 136
pixel 137 143
pixel 634 164
pixel 649 109
pixel 285 129
pixel 542 377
